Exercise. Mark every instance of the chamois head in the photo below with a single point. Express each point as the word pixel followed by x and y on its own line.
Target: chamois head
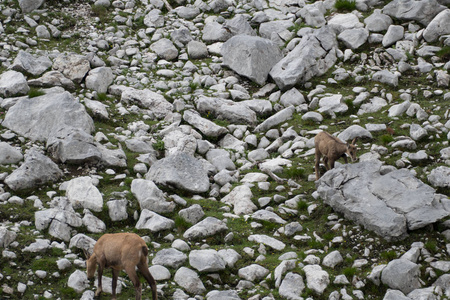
pixel 91 264
pixel 351 150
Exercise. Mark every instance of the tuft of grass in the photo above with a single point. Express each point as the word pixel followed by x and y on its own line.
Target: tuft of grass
pixel 102 97
pixel 181 224
pixel 101 12
pixel 444 53
pixel 349 272
pixel 345 5
pixel 295 172
pixel 388 255
pixel 35 93
pixel 352 109
pixel 386 139
pixel 302 205
pixel 431 246
pixel 159 145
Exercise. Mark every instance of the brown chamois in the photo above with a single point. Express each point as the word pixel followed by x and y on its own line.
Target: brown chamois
pixel 121 251
pixel 332 148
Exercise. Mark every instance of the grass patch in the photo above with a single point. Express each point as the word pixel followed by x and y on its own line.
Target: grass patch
pixel 295 172
pixel 181 224
pixel 302 206
pixel 349 272
pixel 159 145
pixel 444 53
pixel 35 93
pixel 389 255
pixel 102 97
pixel 386 139
pixel 345 5
pixel 431 246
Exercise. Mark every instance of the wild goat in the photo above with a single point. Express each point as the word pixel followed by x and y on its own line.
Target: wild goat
pixel 121 251
pixel 332 148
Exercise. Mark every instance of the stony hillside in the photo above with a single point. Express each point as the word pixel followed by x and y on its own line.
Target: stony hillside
pixel 192 124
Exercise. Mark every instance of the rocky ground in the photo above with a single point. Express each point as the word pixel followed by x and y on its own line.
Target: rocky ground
pixel 192 124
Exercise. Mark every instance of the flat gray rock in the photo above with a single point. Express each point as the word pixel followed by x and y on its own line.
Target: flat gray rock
pixel 316 278
pixel 313 56
pixel 223 295
pixel 207 127
pixel 73 146
pixel 82 193
pixel 268 241
pixel 241 200
pixel 440 177
pixel 354 131
pixel 41 117
pixel 215 32
pixel 261 55
pixel 51 79
pixel 37 170
pixel 276 119
pixel 193 214
pixel 29 5
pixel 189 280
pixel 146 98
pixel 99 79
pixel 165 49
pixel 13 83
pixel 154 222
pixel 207 260
pixel 389 204
pixel 354 38
pixel 234 112
pixel 422 11
pixel 150 196
pixel 25 62
pixel 9 154
pixel 73 66
pixel 377 21
pixel 292 286
pixel 438 26
pixel 171 258
pixel 401 274
pixel 208 227
pixel 269 216
pixel 181 171
pixel 253 272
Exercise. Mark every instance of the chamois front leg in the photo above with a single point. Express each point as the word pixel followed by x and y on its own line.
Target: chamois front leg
pixel 115 275
pixel 317 165
pixel 100 275
pixel 325 162
pixel 345 158
pixel 331 164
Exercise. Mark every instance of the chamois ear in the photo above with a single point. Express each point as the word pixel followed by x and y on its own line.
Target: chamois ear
pixel 354 140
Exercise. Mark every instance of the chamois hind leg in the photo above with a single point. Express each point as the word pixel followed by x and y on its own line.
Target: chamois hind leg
pixel 115 275
pixel 131 271
pixel 151 281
